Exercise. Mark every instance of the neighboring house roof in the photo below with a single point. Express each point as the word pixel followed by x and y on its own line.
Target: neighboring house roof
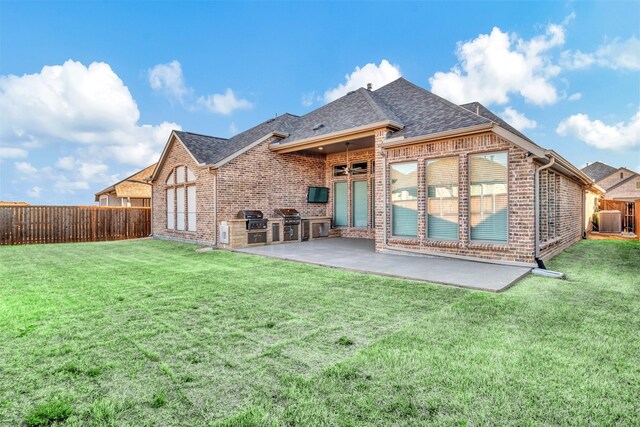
pixel 598 170
pixel 133 186
pixel 624 181
pixel 13 203
pixel 477 108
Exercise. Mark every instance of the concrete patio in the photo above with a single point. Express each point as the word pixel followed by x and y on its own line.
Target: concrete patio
pixel 359 255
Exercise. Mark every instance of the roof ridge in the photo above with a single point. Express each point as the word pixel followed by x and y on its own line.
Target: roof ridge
pixel 444 101
pixel 201 134
pixel 375 104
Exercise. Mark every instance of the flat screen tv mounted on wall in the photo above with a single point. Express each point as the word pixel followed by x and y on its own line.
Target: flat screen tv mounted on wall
pixel 318 195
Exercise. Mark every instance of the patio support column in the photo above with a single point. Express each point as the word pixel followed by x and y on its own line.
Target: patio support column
pixel 380 135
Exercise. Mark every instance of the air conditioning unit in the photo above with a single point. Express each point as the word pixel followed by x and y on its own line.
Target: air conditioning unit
pixel 224 233
pixel 610 221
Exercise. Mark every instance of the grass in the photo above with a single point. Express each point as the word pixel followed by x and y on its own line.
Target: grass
pixel 153 333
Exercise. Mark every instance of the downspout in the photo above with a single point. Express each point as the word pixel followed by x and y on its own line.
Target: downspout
pixel 215 209
pixel 583 215
pixel 537 210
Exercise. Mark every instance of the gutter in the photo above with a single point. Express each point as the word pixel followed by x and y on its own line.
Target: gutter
pixel 281 145
pixel 401 140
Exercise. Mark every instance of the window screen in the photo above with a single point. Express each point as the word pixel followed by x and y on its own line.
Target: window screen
pixel 359 203
pixel 404 199
pixel 488 197
pixel 442 198
pixel 340 213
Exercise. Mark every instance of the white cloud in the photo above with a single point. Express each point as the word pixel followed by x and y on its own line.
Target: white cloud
pixel 600 135
pixel 34 191
pixel 67 163
pixel 25 168
pixel 225 103
pixel 168 79
pixel 89 107
pixel 377 75
pixel 233 129
pixel 518 120
pixel 575 97
pixel 308 98
pixel 494 66
pixel 617 55
pixel 12 153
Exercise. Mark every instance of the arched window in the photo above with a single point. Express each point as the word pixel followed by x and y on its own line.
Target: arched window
pixel 181 199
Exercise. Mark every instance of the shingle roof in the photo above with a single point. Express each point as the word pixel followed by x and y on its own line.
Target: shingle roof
pixel 415 110
pixel 476 107
pixel 210 149
pixel 598 170
pixel 422 112
pixel 358 108
pixel 204 148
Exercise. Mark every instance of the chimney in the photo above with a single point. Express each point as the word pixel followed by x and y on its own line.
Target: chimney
pixel 369 86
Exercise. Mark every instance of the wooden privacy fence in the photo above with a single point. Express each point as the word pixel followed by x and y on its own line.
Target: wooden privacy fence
pixel 21 225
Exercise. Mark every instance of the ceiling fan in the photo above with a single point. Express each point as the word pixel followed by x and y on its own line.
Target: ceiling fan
pixel 346 170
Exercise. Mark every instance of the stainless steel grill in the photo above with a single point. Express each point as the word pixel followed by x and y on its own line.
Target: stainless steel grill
pixel 291 219
pixel 255 219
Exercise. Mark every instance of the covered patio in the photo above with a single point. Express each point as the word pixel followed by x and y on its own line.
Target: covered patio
pixel 359 255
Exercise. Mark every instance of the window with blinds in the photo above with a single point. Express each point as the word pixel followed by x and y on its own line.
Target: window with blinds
pixel 171 206
pixel 181 199
pixel 488 197
pixel 340 212
pixel 359 203
pixel 404 199
pixel 442 198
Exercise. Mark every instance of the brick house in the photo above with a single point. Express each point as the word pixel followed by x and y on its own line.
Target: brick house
pixel 403 166
pixel 133 191
pixel 618 183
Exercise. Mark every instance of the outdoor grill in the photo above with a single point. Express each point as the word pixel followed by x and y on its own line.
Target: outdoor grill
pixel 291 219
pixel 255 219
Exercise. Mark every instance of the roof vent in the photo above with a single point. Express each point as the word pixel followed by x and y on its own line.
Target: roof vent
pixel 369 86
pixel 350 92
pixel 318 126
pixel 270 120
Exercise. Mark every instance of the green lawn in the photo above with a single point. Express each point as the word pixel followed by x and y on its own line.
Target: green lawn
pixel 153 333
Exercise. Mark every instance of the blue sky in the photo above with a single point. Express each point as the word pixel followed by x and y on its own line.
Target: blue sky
pixel 89 91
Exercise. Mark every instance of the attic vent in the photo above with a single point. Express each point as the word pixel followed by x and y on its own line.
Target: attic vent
pixel 318 126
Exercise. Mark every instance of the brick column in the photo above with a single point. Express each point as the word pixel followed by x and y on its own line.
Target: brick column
pixel 380 135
